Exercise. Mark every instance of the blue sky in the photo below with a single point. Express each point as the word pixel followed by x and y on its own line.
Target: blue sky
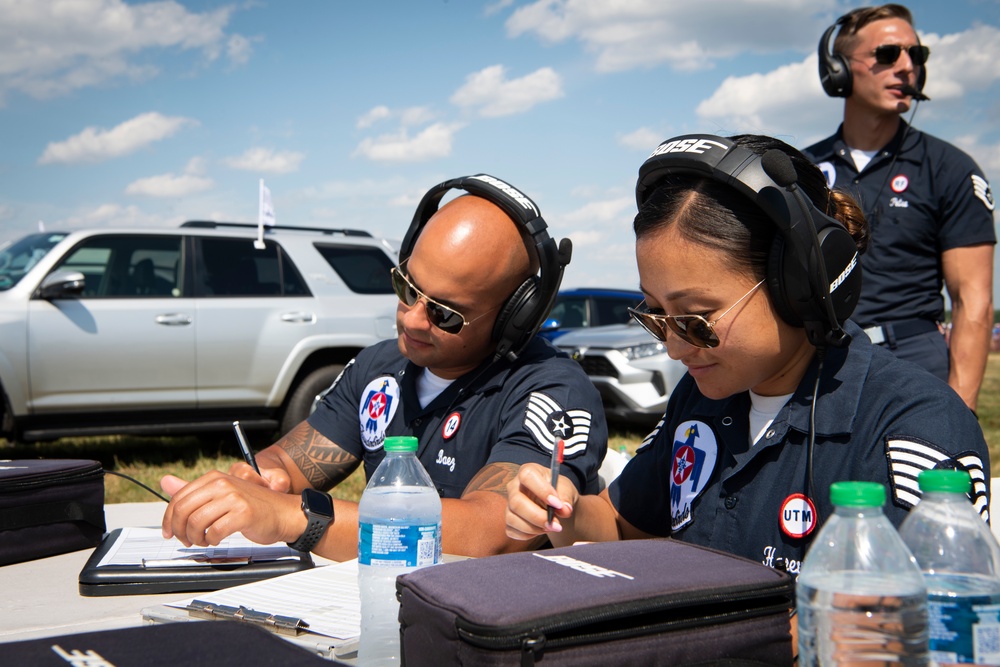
pixel 146 114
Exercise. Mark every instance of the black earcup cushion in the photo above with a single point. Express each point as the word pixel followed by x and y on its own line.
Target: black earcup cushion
pixel 777 282
pixel 506 327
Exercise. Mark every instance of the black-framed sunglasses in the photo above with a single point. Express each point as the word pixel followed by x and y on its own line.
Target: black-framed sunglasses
pixel 888 54
pixel 692 329
pixel 445 318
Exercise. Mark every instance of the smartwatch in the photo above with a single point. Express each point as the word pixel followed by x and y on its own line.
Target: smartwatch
pixel 318 508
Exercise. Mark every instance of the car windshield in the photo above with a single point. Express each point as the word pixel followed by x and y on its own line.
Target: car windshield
pixel 17 258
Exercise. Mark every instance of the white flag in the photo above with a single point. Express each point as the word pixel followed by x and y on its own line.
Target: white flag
pixel 265 214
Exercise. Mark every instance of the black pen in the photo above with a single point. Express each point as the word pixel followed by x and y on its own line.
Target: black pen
pixel 245 447
pixel 557 457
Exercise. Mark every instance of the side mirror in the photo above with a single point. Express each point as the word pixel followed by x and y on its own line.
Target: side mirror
pixel 62 285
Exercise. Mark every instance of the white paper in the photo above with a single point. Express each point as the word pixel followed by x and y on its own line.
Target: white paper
pixel 134 545
pixel 326 597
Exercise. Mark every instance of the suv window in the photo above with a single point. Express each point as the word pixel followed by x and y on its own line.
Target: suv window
pixel 17 258
pixel 612 310
pixel 235 267
pixel 570 311
pixel 127 266
pixel 363 270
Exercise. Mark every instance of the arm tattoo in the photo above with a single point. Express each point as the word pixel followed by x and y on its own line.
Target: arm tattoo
pixel 321 461
pixel 493 477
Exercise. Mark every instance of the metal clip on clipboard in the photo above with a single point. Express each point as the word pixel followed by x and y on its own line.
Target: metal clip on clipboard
pixel 282 625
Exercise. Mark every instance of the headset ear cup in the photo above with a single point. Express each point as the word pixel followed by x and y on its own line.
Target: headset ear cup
pixel 834 69
pixel 508 331
pixel 777 282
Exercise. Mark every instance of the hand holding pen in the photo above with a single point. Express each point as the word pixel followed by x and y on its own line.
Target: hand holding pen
pixel 557 458
pixel 245 447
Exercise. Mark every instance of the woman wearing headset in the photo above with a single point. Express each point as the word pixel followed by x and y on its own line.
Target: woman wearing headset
pixel 777 403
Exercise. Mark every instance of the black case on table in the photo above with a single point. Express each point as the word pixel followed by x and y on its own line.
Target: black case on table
pixel 138 580
pixel 49 507
pixel 637 602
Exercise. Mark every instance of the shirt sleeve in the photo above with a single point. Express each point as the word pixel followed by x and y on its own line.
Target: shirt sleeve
pixel 554 401
pixel 966 204
pixel 336 416
pixel 641 493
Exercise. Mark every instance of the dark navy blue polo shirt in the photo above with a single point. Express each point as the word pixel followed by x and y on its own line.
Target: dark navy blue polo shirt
pixel 878 418
pixel 932 198
pixel 501 412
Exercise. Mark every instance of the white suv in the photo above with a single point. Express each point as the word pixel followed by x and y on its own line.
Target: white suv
pixel 182 330
pixel 631 370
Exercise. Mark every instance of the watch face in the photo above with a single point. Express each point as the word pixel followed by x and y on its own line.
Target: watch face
pixel 318 502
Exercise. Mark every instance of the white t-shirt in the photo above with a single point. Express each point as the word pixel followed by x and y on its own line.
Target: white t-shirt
pixel 862 158
pixel 763 410
pixel 429 386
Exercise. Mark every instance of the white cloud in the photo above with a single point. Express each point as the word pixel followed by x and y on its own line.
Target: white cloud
pixel 962 62
pixel 986 155
pixel 169 185
pixel 408 117
pixel 602 211
pixel 266 161
pixel 53 48
pixel 97 145
pixel 643 139
pixel 106 215
pixel 238 49
pixel 432 142
pixel 489 91
pixel 688 36
pixel 372 116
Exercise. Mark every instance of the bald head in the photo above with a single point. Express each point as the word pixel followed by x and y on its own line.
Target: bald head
pixel 484 247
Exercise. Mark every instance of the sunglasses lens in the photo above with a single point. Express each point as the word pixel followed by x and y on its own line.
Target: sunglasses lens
pixel 653 326
pixel 919 54
pixel 445 319
pixel 887 54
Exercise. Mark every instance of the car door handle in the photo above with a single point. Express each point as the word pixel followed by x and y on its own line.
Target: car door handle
pixel 307 318
pixel 174 319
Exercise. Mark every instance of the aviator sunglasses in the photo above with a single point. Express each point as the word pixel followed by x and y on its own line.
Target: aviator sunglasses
pixel 888 54
pixel 692 329
pixel 444 318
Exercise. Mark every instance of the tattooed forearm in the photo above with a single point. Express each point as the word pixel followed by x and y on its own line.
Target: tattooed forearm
pixel 321 461
pixel 493 477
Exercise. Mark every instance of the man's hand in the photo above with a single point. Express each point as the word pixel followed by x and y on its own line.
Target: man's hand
pixel 216 505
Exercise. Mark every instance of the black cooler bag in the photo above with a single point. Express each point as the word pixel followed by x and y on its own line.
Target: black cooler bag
pixel 49 507
pixel 637 602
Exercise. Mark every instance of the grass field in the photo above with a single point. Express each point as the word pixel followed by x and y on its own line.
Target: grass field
pixel 148 459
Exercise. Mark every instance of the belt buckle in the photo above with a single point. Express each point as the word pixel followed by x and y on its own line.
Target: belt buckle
pixel 877 334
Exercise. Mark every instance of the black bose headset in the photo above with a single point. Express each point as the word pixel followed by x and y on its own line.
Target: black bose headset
pixel 813 273
pixel 834 69
pixel 525 310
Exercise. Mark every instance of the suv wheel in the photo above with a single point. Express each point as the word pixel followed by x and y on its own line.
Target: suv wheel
pixel 301 400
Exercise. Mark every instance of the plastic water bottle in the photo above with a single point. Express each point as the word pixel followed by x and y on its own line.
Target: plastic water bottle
pixel 399 530
pixel 861 598
pixel 960 560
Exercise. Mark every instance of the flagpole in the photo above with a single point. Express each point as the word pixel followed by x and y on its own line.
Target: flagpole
pixel 259 243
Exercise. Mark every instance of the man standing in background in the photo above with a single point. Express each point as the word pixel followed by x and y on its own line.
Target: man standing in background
pixel 929 205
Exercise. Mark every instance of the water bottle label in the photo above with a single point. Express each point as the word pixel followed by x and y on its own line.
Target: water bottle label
pixel 390 545
pixel 965 629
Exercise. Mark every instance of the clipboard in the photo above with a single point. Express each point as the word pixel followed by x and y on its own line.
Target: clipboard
pixel 186 574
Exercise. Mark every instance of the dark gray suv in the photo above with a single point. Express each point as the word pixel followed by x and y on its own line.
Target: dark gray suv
pixel 182 330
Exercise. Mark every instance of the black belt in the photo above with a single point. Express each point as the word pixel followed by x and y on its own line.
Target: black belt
pixel 890 332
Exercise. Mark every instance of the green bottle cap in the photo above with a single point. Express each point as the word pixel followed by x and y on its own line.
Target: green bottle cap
pixel 949 481
pixel 400 443
pixel 857 494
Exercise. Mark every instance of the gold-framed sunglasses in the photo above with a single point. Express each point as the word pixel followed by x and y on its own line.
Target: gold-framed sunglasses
pixel 888 54
pixel 445 318
pixel 692 329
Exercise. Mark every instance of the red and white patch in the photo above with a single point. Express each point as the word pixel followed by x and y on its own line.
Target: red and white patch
pixel 798 515
pixel 451 425
pixel 899 183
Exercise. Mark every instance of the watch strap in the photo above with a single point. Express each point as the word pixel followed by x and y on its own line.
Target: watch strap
pixel 317 525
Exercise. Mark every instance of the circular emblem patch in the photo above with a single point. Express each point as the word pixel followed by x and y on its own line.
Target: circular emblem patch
pixel 379 401
pixel 798 515
pixel 899 183
pixel 451 425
